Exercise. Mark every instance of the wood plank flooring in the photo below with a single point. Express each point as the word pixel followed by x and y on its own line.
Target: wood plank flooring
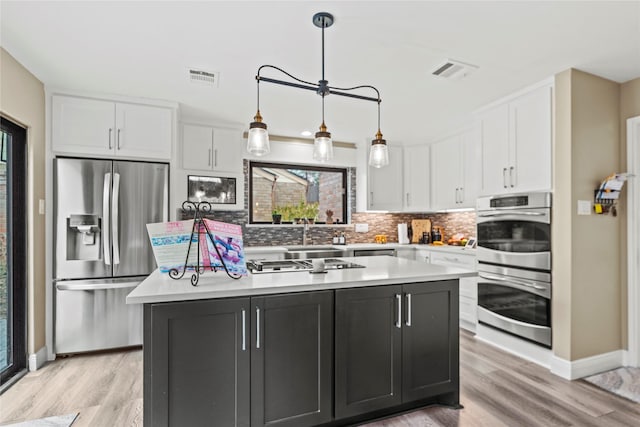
pixel 497 389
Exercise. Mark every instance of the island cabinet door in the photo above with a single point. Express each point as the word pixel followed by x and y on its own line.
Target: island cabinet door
pixel 196 363
pixel 291 359
pixel 368 349
pixel 430 355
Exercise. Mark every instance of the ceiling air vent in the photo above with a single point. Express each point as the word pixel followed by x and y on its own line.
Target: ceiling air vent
pixel 207 78
pixel 454 70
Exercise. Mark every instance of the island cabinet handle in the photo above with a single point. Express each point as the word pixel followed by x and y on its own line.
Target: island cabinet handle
pixel 244 330
pixel 408 323
pixel 257 327
pixel 399 300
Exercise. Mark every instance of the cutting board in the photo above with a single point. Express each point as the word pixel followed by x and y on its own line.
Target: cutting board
pixel 419 226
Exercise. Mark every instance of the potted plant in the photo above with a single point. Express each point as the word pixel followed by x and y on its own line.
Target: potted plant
pixel 329 214
pixel 311 212
pixel 276 216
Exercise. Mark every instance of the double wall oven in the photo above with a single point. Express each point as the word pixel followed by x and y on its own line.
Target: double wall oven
pixel 514 264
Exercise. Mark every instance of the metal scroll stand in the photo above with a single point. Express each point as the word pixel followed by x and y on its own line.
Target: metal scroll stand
pixel 198 209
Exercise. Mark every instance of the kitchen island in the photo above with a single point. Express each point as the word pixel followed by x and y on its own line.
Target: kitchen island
pixel 300 349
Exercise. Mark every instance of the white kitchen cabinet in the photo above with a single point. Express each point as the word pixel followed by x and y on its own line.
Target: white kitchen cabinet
pixel 445 167
pixel 416 178
pixel 516 144
pixel 468 285
pixel 211 149
pixel 405 252
pixel 385 183
pixel 455 171
pixel 105 128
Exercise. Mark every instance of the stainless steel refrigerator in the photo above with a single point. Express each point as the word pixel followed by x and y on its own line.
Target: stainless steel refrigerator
pixel 101 248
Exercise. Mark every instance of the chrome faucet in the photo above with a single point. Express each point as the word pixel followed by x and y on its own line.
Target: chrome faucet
pixel 304 231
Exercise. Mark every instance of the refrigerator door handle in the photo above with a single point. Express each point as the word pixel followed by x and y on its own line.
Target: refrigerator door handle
pixel 115 218
pixel 106 219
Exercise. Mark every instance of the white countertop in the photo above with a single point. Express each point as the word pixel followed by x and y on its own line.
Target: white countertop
pixel 249 250
pixel 379 270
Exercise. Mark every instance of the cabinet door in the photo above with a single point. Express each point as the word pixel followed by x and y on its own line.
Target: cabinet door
pixel 197 147
pixel 430 353
pixel 416 178
pixel 470 176
pixel 291 359
pixel 199 372
pixel 143 131
pixel 385 184
pixel 368 350
pixel 531 134
pixel 446 173
pixel 227 150
pixel 82 126
pixel 495 150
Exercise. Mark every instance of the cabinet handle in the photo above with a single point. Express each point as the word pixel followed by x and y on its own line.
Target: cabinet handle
pixel 371 201
pixel 209 158
pixel 511 176
pixel 408 323
pixel 408 202
pixel 399 321
pixel 215 158
pixel 504 177
pixel 244 330
pixel 257 327
pixel 118 139
pixel 110 132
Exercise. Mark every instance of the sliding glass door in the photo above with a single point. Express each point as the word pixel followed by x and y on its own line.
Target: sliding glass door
pixel 13 284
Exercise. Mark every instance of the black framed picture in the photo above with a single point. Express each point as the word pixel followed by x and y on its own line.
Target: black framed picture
pixel 212 189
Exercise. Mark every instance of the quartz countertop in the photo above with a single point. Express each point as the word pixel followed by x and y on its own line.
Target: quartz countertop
pixel 378 271
pixel 249 250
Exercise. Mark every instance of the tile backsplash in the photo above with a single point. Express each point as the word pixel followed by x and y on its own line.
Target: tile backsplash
pixel 379 223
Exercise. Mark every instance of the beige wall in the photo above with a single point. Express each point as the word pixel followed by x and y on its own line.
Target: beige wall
pixel 22 100
pixel 586 251
pixel 629 107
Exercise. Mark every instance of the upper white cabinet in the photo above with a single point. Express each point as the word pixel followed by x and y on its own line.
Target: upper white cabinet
pixel 455 171
pixel 516 144
pixel 212 149
pixel 416 178
pixel 385 184
pixel 85 126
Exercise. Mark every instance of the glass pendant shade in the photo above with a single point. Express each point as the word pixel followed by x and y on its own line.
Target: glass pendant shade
pixel 258 138
pixel 323 145
pixel 379 153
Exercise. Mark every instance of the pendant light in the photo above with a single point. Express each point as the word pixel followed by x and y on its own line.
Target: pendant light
pixel 322 144
pixel 258 137
pixel 379 153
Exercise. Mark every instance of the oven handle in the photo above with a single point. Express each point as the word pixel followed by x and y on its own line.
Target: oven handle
pixel 525 213
pixel 512 321
pixel 512 282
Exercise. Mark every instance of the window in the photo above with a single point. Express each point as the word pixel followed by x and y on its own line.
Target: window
pixel 318 194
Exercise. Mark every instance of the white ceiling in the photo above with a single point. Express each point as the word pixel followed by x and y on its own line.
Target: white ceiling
pixel 143 49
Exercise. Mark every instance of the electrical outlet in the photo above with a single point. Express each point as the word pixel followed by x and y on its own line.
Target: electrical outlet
pixel 362 228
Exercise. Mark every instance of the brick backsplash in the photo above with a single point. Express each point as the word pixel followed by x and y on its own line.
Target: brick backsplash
pixel 379 223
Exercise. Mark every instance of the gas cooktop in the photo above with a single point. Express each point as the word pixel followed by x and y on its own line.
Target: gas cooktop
pixel 257 266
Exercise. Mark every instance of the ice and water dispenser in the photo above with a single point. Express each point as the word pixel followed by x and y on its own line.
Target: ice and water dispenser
pixel 83 237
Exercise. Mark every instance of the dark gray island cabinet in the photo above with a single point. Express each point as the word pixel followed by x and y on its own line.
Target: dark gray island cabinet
pixel 334 357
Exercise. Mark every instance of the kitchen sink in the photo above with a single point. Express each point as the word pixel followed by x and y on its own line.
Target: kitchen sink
pixel 306 252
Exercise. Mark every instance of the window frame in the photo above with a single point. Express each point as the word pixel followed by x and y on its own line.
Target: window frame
pixel 341 170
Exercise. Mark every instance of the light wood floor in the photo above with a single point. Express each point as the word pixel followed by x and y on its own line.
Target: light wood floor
pixel 497 389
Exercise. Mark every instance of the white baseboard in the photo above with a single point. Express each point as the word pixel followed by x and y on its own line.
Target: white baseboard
pixel 514 345
pixel 36 360
pixel 581 368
